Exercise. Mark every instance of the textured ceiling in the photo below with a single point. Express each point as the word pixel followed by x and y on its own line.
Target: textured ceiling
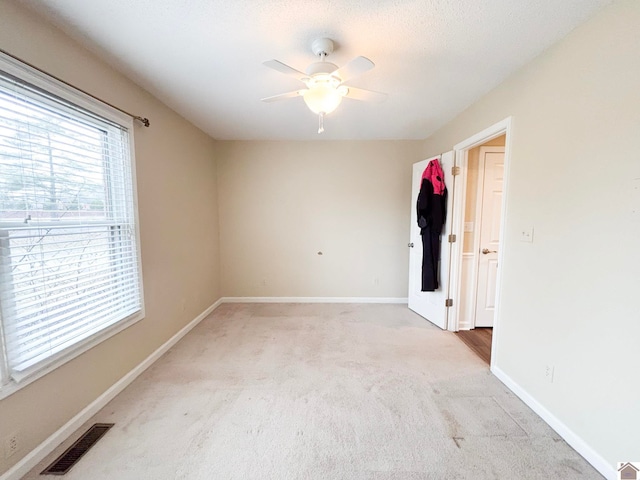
pixel 204 58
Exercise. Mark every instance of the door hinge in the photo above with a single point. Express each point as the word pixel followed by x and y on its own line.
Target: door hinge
pixel 452 238
pixel 455 171
pixel 448 302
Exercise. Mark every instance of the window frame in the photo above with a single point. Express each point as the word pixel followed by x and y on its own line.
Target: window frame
pixel 8 385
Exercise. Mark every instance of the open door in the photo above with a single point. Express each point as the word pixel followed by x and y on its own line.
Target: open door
pixel 430 305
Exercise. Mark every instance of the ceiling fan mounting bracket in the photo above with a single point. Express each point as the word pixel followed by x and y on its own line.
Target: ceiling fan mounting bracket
pixel 322 46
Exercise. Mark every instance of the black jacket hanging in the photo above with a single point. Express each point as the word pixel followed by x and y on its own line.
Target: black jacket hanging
pixel 431 209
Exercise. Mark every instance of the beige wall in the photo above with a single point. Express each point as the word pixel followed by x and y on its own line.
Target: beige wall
pixel 570 299
pixel 283 202
pixel 179 233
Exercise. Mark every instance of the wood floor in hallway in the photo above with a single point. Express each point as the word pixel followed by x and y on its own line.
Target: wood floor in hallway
pixel 478 340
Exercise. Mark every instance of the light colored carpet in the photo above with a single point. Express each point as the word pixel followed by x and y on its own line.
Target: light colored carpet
pixel 309 391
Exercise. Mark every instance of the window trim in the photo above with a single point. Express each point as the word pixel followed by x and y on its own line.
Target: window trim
pixel 8 386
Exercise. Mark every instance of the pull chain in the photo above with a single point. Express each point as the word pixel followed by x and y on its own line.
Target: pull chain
pixel 323 56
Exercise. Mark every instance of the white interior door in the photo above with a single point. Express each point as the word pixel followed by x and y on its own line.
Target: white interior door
pixel 430 305
pixel 491 176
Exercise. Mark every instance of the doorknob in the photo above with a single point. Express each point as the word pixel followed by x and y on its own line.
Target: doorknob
pixel 411 245
pixel 486 251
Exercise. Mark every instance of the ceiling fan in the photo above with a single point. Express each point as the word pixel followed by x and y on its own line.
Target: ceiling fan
pixel 324 81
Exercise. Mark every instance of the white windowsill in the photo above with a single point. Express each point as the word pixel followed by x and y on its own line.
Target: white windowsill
pixel 73 352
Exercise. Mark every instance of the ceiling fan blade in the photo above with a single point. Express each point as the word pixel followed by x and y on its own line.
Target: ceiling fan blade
pixel 286 69
pixel 365 95
pixel 283 96
pixel 355 67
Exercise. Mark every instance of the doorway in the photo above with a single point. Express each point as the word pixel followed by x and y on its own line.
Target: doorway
pixel 481 244
pixel 477 260
pixel 481 236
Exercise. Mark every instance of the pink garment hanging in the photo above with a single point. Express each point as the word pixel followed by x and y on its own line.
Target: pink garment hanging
pixel 435 175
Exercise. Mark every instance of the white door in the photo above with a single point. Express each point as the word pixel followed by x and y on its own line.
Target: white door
pixel 430 305
pixel 491 179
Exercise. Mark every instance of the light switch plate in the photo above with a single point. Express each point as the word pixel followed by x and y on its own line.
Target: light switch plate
pixel 526 235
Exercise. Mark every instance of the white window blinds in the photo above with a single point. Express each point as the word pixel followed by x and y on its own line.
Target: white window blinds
pixel 68 257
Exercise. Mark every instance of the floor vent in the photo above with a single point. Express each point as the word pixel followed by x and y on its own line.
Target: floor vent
pixel 75 452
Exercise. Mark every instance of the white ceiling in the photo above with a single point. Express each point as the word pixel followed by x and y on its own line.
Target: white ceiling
pixel 204 58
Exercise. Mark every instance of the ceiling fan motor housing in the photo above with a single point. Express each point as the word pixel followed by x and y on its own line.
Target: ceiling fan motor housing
pixel 321 68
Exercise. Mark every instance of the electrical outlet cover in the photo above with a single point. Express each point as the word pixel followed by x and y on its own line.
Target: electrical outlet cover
pixel 11 445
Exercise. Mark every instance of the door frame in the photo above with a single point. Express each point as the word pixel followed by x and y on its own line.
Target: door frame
pixel 461 150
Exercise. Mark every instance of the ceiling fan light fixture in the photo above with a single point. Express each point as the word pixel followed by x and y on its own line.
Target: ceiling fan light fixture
pixel 322 98
pixel 324 81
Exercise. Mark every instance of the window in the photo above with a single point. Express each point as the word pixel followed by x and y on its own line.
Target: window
pixel 69 262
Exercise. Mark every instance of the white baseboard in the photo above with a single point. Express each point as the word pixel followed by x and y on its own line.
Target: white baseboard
pixel 45 448
pixel 577 443
pixel 314 300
